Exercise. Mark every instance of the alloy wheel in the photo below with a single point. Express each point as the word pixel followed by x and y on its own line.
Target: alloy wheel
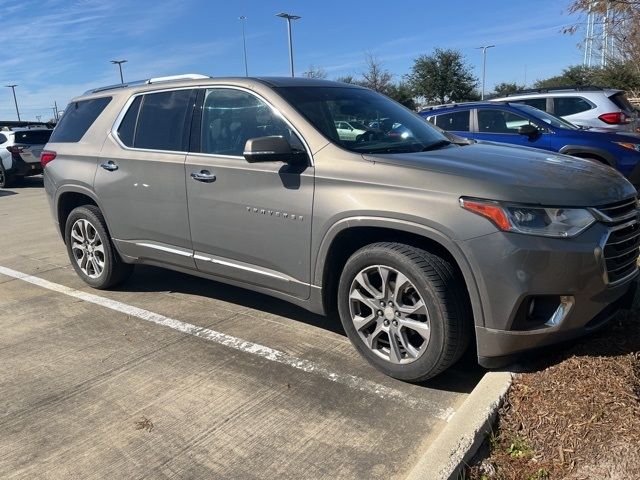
pixel 87 248
pixel 389 314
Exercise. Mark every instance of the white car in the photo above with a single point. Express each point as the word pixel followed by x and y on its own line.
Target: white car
pixel 351 131
pixel 20 150
pixel 592 107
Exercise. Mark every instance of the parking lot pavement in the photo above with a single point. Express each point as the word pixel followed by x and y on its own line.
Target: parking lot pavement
pixel 172 376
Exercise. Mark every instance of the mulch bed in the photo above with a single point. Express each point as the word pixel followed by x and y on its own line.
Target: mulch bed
pixel 575 414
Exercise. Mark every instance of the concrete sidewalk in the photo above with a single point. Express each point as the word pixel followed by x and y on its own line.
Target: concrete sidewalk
pixel 90 391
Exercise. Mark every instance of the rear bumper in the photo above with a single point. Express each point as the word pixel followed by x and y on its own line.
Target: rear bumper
pixel 21 168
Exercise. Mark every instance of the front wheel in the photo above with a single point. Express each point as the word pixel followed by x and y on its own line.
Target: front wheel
pixel 91 251
pixel 406 310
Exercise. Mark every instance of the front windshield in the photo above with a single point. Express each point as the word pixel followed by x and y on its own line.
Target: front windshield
pixel 546 117
pixel 391 127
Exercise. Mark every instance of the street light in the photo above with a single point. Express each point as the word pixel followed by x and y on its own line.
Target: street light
pixel 119 63
pixel 484 65
pixel 13 88
pixel 289 17
pixel 244 46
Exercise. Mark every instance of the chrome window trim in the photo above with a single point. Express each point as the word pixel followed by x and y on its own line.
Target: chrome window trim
pixel 130 100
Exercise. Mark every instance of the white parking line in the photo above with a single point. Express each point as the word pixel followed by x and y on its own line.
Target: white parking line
pixel 236 343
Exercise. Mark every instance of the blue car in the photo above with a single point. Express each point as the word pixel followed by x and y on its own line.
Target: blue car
pixel 520 124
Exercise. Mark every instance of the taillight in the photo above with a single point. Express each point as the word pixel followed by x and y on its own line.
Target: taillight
pixel 46 156
pixel 14 149
pixel 615 118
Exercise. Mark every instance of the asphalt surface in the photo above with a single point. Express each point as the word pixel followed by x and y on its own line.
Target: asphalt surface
pixel 92 388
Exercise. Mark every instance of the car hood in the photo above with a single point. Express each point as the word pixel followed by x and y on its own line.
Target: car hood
pixel 512 173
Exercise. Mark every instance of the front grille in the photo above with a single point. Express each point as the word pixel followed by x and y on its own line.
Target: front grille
pixel 622 247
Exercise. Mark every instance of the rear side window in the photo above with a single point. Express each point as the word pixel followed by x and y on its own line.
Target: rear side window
pixel 621 101
pixel 539 103
pixel 2 138
pixel 458 121
pixel 33 137
pixel 77 118
pixel 161 121
pixel 563 106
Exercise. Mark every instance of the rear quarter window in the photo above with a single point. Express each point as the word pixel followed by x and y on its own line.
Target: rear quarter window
pixel 33 137
pixel 77 119
pixel 621 101
pixel 563 106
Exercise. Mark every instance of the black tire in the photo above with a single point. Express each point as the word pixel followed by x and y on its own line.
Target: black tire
pixel 359 138
pixel 115 271
pixel 443 292
pixel 6 179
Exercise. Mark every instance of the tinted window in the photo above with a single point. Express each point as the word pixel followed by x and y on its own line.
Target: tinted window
pixel 161 121
pixel 393 128
pixel 499 121
pixel 539 103
pixel 546 118
pixel 127 129
pixel 454 121
pixel 621 101
pixel 2 138
pixel 32 137
pixel 563 106
pixel 231 117
pixel 77 118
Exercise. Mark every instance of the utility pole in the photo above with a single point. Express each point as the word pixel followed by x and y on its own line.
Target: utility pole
pixel 244 46
pixel 39 117
pixel 55 111
pixel 484 65
pixel 288 17
pixel 15 100
pixel 119 63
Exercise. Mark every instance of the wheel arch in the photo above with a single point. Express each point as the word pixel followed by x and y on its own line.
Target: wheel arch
pixel 70 197
pixel 348 235
pixel 589 152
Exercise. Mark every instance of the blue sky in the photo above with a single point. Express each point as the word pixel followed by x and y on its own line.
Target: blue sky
pixel 56 49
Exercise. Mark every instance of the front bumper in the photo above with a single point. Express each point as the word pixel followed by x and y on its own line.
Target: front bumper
pixel 511 269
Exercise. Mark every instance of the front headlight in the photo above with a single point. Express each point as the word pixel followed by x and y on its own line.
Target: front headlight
pixel 547 222
pixel 629 146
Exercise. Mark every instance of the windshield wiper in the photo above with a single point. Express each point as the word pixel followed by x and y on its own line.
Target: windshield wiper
pixel 435 145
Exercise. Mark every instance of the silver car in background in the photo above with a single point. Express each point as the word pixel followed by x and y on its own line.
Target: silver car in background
pixel 593 107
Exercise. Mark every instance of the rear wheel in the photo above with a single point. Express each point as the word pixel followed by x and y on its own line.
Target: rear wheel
pixel 91 251
pixel 6 179
pixel 405 310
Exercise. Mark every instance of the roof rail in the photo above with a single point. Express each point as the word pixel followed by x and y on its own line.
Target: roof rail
pixel 574 88
pixel 148 81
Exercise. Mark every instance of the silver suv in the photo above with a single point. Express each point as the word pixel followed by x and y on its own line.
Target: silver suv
pixel 418 243
pixel 593 107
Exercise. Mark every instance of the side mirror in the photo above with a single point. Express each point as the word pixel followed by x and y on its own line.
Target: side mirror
pixel 271 149
pixel 528 130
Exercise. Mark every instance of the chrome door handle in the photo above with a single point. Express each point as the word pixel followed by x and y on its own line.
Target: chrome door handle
pixel 204 176
pixel 110 166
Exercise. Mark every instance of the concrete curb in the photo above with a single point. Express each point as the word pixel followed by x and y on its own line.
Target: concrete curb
pixel 465 432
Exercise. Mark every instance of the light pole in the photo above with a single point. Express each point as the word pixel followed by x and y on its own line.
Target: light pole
pixel 484 65
pixel 289 17
pixel 119 63
pixel 13 88
pixel 244 46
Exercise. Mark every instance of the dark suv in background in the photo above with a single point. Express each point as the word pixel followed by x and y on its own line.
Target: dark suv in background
pixel 418 243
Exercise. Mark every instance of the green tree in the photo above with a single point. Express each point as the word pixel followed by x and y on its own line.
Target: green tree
pixel 505 88
pixel 622 75
pixel 577 75
pixel 348 79
pixel 442 77
pixel 401 92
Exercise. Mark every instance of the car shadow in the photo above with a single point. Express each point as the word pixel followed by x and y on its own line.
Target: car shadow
pixel 460 378
pixel 6 193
